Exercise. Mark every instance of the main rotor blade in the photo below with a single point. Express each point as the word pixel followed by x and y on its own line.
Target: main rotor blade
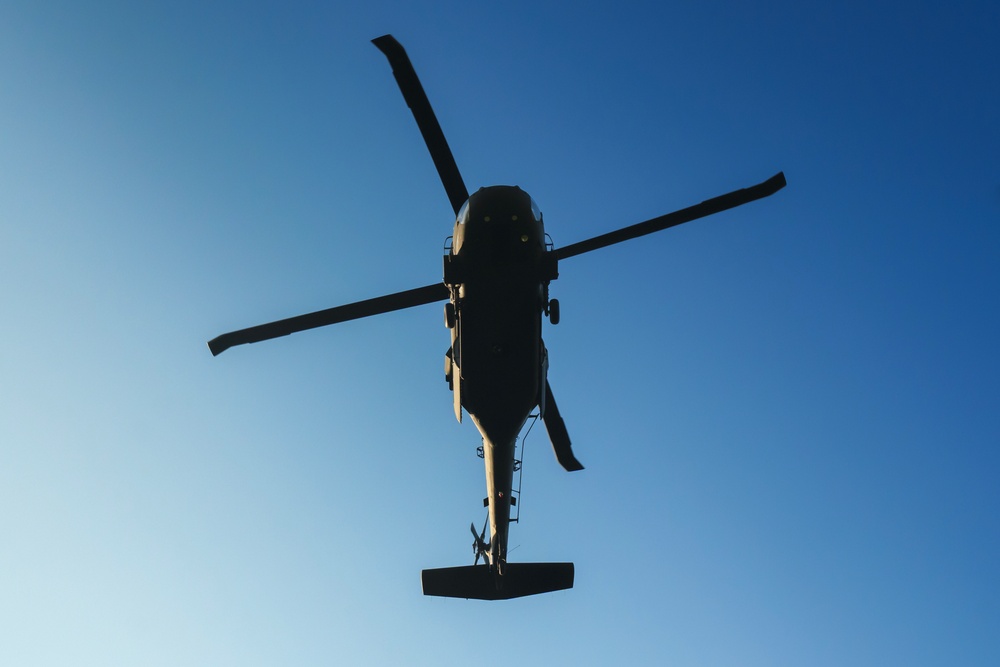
pixel 416 99
pixel 707 207
pixel 558 434
pixel 321 318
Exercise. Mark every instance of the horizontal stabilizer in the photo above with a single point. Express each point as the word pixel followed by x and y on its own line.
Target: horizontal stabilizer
pixel 476 582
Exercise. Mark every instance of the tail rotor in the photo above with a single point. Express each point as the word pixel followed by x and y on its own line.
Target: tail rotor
pixel 479 546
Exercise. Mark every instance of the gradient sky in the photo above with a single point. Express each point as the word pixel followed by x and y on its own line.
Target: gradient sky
pixel 788 413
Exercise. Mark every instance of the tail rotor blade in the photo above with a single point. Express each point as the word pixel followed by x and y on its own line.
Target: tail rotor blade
pixel 416 99
pixel 475 543
pixel 558 434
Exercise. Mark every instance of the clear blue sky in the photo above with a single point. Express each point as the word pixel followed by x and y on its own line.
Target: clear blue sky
pixel 789 413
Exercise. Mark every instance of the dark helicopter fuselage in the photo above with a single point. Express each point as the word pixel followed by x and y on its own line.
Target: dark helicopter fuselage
pixel 498 272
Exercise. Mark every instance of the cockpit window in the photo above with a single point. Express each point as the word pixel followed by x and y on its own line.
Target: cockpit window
pixel 463 213
pixel 535 210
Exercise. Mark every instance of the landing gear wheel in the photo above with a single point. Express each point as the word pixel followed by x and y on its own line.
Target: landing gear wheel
pixel 554 311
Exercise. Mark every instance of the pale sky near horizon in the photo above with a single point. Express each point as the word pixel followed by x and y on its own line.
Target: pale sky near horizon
pixel 788 413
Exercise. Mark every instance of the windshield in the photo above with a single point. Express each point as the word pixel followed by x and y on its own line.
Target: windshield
pixel 463 213
pixel 537 212
pixel 491 194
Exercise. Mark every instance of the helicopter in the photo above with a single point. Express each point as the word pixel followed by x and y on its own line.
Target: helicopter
pixel 498 266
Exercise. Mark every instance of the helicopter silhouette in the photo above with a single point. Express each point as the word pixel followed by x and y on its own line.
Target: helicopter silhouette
pixel 497 272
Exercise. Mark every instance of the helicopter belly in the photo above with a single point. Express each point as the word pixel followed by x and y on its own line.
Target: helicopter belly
pixel 500 357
